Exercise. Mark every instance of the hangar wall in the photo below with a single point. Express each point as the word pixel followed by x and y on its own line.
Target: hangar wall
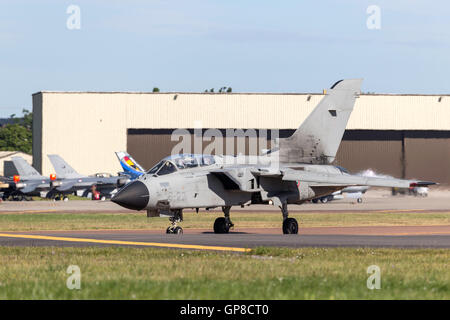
pixel 86 128
pixel 408 154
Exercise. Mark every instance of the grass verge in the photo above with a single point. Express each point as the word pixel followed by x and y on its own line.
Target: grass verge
pixel 264 273
pixel 92 221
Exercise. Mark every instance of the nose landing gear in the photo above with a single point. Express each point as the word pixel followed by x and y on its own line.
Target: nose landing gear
pixel 174 228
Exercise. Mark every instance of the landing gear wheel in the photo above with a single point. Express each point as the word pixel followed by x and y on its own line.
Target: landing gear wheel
pixel 173 228
pixel 290 226
pixel 221 225
pixel 315 200
pixel 324 199
pixel 178 230
pixel 359 200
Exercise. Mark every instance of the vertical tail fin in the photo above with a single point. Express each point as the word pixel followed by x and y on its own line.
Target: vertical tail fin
pixel 25 170
pixel 319 136
pixel 129 165
pixel 62 168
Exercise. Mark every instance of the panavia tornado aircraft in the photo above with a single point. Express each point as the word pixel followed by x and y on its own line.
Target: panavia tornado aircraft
pixel 297 170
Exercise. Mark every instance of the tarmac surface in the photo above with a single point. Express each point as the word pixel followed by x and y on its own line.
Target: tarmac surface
pixel 240 240
pixel 373 200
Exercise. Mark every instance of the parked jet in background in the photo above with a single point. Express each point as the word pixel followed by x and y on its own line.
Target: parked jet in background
pixel 71 181
pixel 29 182
pixel 296 171
pixel 129 165
pixel 8 188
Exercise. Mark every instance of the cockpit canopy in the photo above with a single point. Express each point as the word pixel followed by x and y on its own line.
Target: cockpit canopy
pixel 180 162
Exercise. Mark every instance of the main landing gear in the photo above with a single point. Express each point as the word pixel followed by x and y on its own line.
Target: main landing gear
pixel 174 228
pixel 223 224
pixel 290 225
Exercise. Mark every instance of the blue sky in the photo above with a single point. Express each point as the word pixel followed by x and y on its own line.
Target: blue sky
pixel 252 46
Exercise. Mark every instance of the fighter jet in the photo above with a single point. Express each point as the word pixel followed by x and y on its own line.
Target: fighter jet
pixel 298 169
pixel 8 189
pixel 27 183
pixel 71 181
pixel 30 182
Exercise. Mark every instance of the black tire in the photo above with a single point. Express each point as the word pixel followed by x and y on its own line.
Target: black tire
pixel 221 226
pixel 169 230
pixel 290 226
pixel 178 230
pixel 315 200
pixel 324 199
pixel 359 200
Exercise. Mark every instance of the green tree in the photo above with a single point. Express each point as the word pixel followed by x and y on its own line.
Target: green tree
pixel 18 136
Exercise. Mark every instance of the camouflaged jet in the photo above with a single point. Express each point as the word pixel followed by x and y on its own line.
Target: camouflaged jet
pixel 299 168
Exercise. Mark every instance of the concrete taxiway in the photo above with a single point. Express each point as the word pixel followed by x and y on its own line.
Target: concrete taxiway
pixel 240 240
pixel 374 200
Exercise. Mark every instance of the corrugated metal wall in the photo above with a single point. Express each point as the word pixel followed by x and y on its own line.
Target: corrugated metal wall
pixel 148 148
pixel 86 128
pixel 428 155
pixel 380 151
pixel 407 154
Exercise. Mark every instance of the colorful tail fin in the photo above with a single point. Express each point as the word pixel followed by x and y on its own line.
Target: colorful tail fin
pixel 129 165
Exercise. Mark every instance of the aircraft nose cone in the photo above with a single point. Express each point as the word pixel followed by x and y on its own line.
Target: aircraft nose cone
pixel 132 196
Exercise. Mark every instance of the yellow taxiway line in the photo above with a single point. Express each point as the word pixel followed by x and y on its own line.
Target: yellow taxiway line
pixel 120 242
